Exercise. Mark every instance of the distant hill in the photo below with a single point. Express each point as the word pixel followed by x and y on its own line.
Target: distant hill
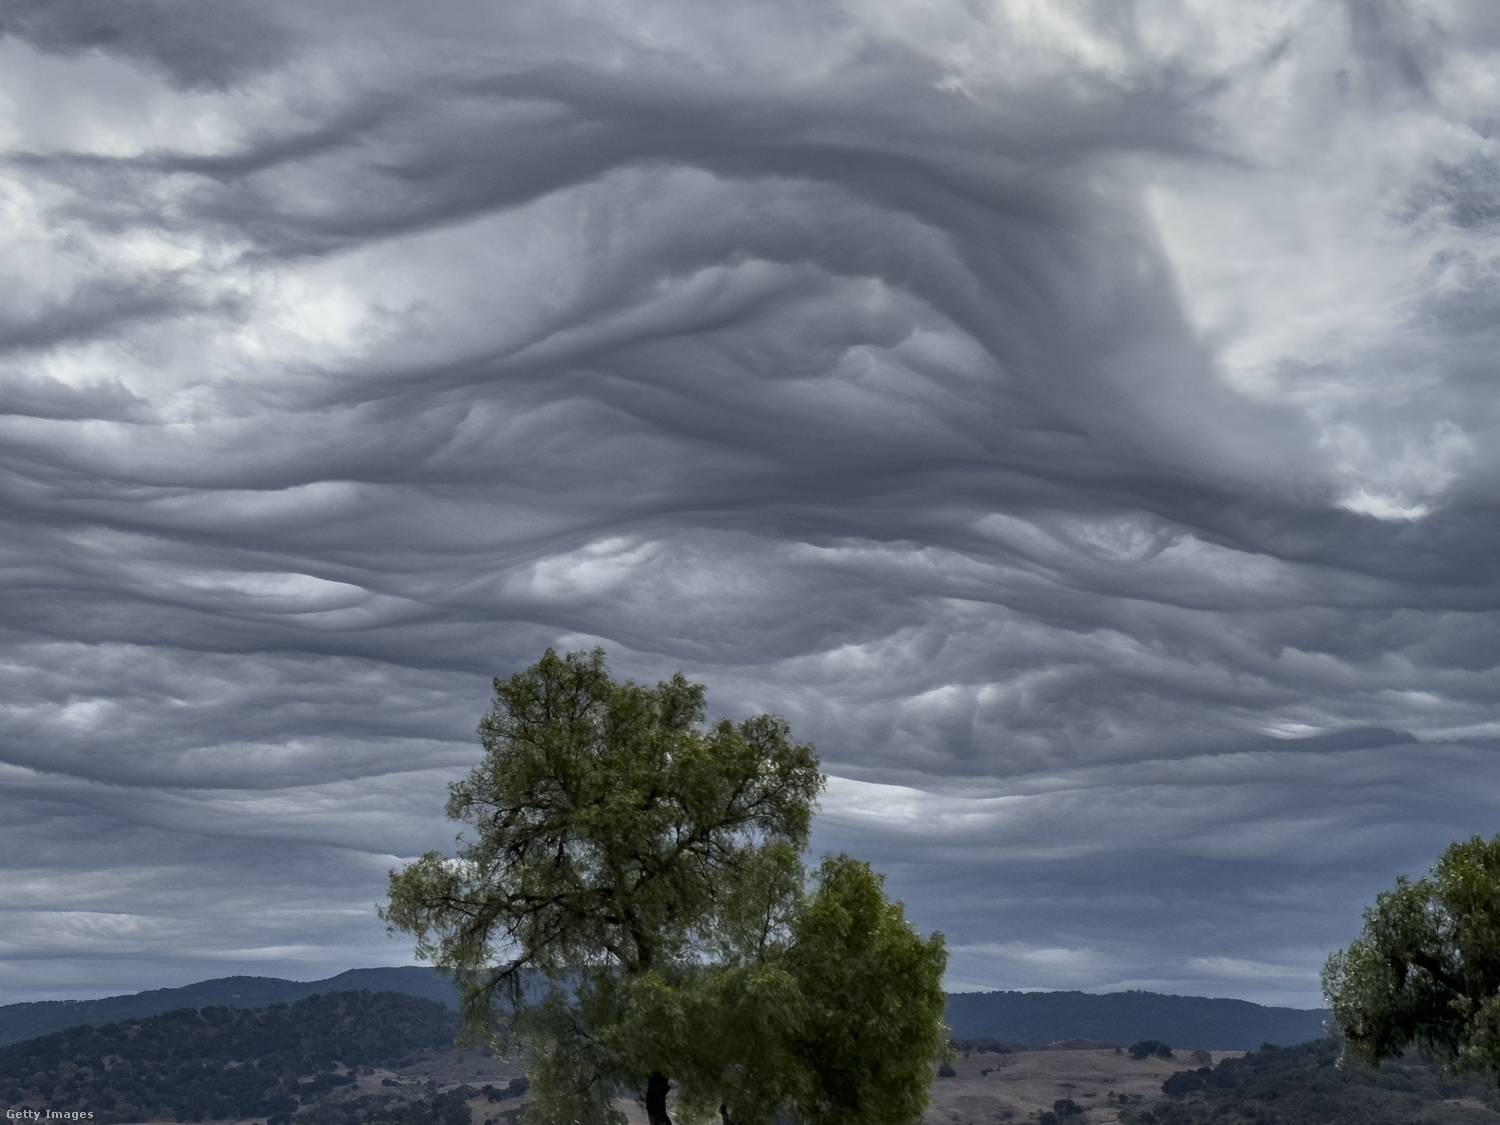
pixel 1035 1018
pixel 1038 1018
pixel 216 1062
pixel 1303 1085
pixel 25 1021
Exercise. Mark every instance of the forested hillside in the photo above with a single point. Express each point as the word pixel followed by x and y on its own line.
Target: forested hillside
pixel 202 1064
pixel 28 1020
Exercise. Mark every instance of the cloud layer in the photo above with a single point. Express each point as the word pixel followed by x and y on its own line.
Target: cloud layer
pixel 1077 419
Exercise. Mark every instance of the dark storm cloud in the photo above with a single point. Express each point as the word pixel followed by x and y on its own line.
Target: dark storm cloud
pixel 196 45
pixel 1033 406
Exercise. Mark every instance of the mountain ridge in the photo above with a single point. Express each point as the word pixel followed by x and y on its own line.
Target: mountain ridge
pixel 1210 1023
pixel 1038 1018
pixel 29 1019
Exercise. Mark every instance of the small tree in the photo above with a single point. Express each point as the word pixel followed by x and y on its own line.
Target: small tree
pixel 650 869
pixel 1148 1047
pixel 1426 969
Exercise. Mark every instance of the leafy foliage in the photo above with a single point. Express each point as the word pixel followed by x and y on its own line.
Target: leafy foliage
pixel 651 868
pixel 869 1021
pixel 1426 969
pixel 211 1063
pixel 609 830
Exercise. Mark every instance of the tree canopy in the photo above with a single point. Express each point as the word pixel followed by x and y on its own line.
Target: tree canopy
pixel 1426 969
pixel 650 867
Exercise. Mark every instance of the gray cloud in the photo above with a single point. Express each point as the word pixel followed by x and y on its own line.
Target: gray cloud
pixel 196 46
pixel 1076 422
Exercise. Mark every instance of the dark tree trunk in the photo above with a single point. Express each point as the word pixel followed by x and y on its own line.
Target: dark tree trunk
pixel 724 1114
pixel 656 1098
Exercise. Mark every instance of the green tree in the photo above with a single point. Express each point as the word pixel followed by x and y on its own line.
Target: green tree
pixel 1426 969
pixel 868 1027
pixel 649 868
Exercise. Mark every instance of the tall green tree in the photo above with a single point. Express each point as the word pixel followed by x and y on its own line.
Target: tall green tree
pixel 1426 969
pixel 650 868
pixel 870 1027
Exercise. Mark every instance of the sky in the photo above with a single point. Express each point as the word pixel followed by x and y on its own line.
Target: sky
pixel 1077 418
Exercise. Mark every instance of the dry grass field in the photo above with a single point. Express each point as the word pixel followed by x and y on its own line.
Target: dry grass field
pixel 990 1088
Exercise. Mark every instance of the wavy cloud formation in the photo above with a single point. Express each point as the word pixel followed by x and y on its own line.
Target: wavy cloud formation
pixel 1075 418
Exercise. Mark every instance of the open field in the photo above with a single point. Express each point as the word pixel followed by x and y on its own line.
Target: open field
pixel 988 1088
pixel 996 1088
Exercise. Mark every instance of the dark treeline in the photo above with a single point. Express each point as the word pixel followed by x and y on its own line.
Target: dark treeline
pixel 1304 1085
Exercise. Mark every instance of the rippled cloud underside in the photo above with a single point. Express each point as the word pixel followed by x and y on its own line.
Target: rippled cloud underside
pixel 1078 419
